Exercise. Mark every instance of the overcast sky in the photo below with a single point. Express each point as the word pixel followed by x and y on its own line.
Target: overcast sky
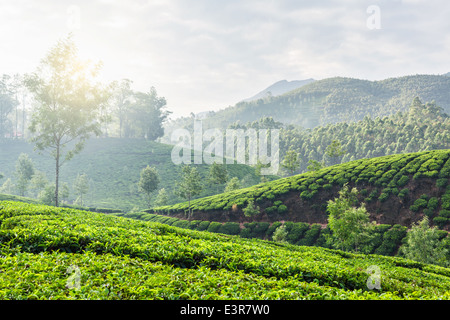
pixel 208 54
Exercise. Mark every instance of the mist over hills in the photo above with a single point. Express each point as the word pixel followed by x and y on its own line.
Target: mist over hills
pixel 279 88
pixel 329 100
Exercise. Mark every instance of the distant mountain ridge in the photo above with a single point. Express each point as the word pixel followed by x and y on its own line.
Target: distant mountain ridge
pixel 279 88
pixel 330 100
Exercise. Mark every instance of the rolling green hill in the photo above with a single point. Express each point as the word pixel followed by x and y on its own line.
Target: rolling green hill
pixel 55 253
pixel 113 167
pixel 397 189
pixel 331 100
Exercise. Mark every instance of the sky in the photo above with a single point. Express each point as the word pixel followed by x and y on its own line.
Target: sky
pixel 206 55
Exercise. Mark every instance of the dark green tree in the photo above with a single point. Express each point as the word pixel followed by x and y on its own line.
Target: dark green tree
pixel 148 182
pixel 81 187
pixel 189 186
pixel 218 174
pixel 334 152
pixel 24 173
pixel 291 161
pixel 148 114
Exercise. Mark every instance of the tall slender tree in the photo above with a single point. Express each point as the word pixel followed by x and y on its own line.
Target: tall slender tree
pixel 24 172
pixel 69 102
pixel 190 185
pixel 148 182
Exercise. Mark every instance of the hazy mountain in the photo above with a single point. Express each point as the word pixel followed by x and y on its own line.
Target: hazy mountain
pixel 279 88
pixel 330 100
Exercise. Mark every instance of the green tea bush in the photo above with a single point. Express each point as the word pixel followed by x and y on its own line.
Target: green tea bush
pixel 214 226
pixel 403 193
pixel 231 228
pixel 271 210
pixel 282 209
pixel 255 229
pixel 433 203
pixel 402 181
pixel 203 225
pixel 444 213
pixel 391 240
pixel 419 204
pixel 295 231
pixel 441 182
pixel 272 229
pixel 310 236
pixel 441 222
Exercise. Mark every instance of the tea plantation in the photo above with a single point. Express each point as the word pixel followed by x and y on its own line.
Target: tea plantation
pixel 396 189
pixel 62 253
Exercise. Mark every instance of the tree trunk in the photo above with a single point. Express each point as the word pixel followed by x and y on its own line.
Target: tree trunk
pixel 57 175
pixel 189 211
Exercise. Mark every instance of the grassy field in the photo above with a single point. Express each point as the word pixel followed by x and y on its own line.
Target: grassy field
pixel 57 253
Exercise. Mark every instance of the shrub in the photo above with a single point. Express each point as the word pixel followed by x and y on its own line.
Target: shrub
pixel 310 236
pixel 251 210
pixel 231 228
pixel 280 234
pixel 214 226
pixel 446 201
pixel 402 181
pixel 272 229
pixel 441 222
pixel 255 229
pixel 282 209
pixel 403 193
pixel 392 239
pixel 433 203
pixel 441 182
pixel 194 224
pixel 295 231
pixel 444 213
pixel 271 210
pixel 203 225
pixel 181 224
pixel 383 196
pixel 305 195
pixel 419 204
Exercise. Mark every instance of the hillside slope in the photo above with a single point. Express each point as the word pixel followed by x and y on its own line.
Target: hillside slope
pixel 113 167
pixel 54 253
pixel 331 100
pixel 397 189
pixel 279 88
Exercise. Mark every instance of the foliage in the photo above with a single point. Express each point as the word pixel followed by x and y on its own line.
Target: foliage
pixel 162 198
pixel 280 234
pixel 350 225
pixel 125 259
pixel 251 210
pixel 81 187
pixel 189 185
pixel 218 174
pixel 291 162
pixel 232 184
pixel 68 104
pixel 379 177
pixel 24 172
pixel 334 151
pixel 423 245
pixel 148 182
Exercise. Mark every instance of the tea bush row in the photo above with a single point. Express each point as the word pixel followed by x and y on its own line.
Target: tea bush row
pixel 121 258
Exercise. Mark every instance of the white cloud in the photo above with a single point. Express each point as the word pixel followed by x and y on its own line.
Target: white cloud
pixel 207 54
